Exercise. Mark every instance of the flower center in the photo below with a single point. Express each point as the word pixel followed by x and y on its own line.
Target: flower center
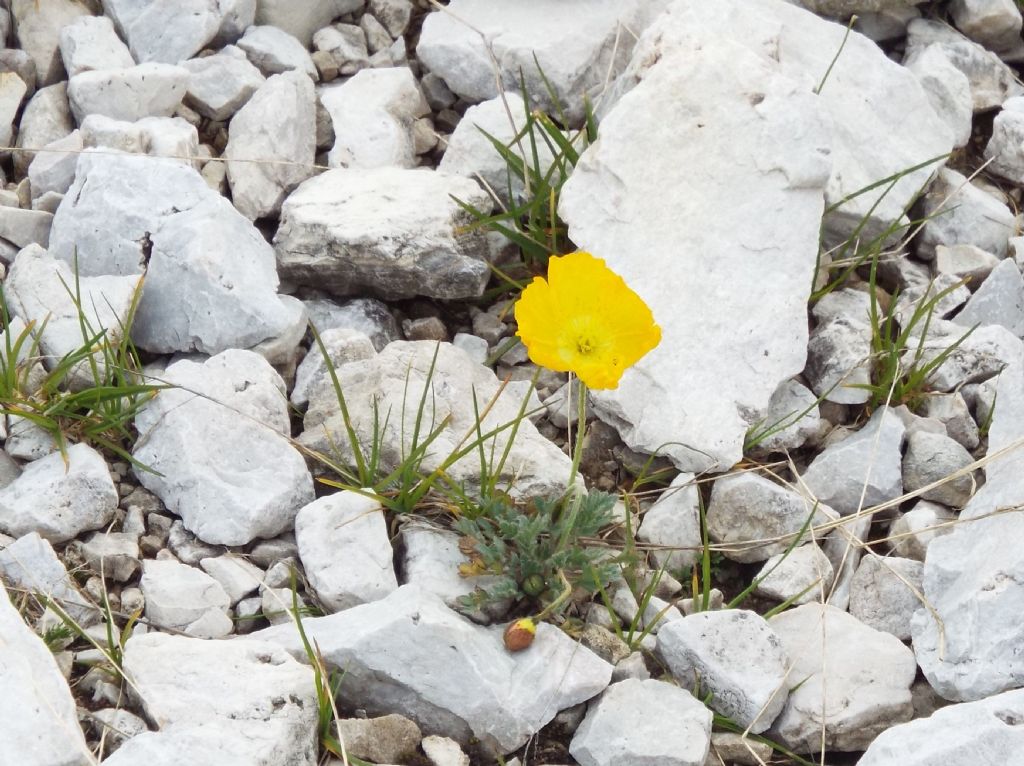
pixel 585 345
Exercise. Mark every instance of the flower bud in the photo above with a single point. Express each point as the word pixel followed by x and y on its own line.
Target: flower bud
pixel 519 634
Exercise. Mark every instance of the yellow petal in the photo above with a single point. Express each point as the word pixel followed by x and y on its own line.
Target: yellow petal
pixel 585 319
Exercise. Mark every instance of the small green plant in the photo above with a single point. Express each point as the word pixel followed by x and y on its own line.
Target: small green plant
pixel 900 372
pixel 91 394
pixel 540 549
pixel 540 157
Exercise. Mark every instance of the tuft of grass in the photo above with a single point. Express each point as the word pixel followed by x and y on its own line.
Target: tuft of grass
pixel 101 411
pixel 532 222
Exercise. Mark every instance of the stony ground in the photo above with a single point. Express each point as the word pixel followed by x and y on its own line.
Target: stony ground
pixel 820 563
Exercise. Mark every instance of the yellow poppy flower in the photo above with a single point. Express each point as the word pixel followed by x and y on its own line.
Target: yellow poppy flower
pixel 585 319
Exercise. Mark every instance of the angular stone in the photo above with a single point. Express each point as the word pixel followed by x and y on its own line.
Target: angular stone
pixel 301 18
pixel 970 357
pixel 632 213
pixel 650 722
pixel 839 349
pixel 998 300
pixel 947 88
pixel 257 698
pixel 178 596
pixel 974 576
pixel 960 213
pixel 792 418
pixel 12 91
pixel 146 90
pixel 578 48
pixel 805 575
pixel 932 458
pixel 168 31
pixel 674 522
pixel 170 137
pixel 220 446
pixel 345 44
pixel 1004 149
pixel 38 721
pixel 272 51
pixel 218 86
pixel 373 115
pixel 397 658
pixel 734 655
pixel 25 227
pixel 952 411
pixel 983 733
pixel 394 232
pixel 912 532
pixel 965 262
pixel 60 496
pixel 30 564
pixel 54 169
pixel 847 682
pixel 387 739
pixel 884 593
pixel 431 560
pixel 345 551
pixel 277 125
pixel 45 118
pixel 211 279
pixel 369 316
pixel 395 380
pixel 91 43
pixel 747 507
pixel 992 81
pixel 113 554
pixel 342 346
pixel 996 24
pixel 235 574
pixel 37 27
pixel 863 470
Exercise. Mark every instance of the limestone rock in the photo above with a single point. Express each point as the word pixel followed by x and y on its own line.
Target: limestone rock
pixel 145 90
pixel 184 598
pixel 345 551
pixel 397 658
pixel 673 521
pixel 219 85
pixel 227 468
pixel 864 469
pixel 991 80
pixel 38 721
pixel 392 231
pixel 278 124
pixel 635 215
pixel 259 700
pixel 272 51
pixel 576 47
pixel 973 574
pixel 373 115
pixel 91 43
pixel 643 722
pixel 745 507
pixel 960 213
pixel 60 496
pixel 883 594
pixel 846 677
pixel 983 733
pixel 733 654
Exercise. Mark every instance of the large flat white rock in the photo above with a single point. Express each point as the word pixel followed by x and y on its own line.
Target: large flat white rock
pixel 719 236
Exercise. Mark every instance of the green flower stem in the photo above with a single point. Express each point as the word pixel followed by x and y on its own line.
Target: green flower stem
pixel 581 429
